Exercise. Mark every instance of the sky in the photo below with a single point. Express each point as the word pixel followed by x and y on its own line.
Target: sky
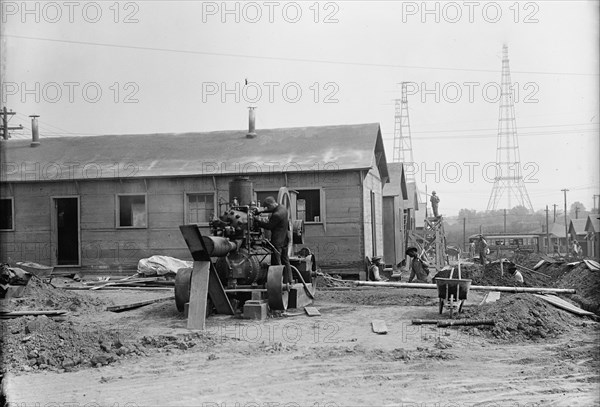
pixel 136 67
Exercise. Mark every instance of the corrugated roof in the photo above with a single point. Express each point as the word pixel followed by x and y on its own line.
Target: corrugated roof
pixel 592 224
pixel 302 149
pixel 577 226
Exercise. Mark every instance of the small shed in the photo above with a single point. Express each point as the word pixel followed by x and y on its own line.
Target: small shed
pixel 592 230
pixel 398 215
pixel 577 232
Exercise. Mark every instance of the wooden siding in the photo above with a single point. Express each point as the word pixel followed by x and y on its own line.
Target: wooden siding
pixel 337 241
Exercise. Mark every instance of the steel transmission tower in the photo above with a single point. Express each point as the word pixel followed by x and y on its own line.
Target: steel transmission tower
pixel 402 141
pixel 509 180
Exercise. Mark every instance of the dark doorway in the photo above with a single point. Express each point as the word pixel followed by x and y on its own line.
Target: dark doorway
pixel 67 231
pixel 373 223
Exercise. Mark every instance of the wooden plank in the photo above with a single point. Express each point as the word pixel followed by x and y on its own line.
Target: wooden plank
pixel 198 295
pixel 125 307
pixel 567 306
pixel 119 288
pixel 14 314
pixel 424 321
pixel 490 297
pixel 217 293
pixel 379 326
pixel 532 271
pixel 539 264
pixel 592 264
pixel 312 312
pixel 473 287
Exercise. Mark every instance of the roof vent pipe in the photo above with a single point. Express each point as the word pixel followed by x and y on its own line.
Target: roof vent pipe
pixel 35 134
pixel 251 123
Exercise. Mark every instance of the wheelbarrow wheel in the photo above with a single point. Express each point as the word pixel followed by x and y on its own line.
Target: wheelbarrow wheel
pixel 441 306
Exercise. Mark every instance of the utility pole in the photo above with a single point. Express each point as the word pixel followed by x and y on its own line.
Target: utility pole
pixel 505 221
pixel 566 227
pixel 480 229
pixel 547 232
pixel 555 205
pixel 5 127
pixel 464 234
pixel 596 207
pixel 576 211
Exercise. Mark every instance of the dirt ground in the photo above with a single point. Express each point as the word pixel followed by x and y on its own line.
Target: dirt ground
pixel 535 355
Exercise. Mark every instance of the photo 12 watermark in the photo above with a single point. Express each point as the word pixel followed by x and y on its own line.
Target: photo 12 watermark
pixel 472 92
pixel 271 12
pixel 453 12
pixel 287 333
pixel 55 12
pixel 470 171
pixel 270 92
pixel 70 92
pixel 321 172
pixel 13 171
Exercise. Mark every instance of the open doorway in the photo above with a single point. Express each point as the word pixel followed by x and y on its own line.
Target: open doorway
pixel 65 231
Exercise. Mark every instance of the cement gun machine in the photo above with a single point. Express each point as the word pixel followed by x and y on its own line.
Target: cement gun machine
pixel 239 252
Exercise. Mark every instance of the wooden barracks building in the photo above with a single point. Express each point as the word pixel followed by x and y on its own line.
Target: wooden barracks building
pixel 104 202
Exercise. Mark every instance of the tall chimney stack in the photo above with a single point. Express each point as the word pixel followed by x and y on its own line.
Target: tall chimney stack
pixel 251 123
pixel 35 134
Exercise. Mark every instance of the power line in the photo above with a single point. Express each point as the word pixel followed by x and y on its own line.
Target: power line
pixel 271 58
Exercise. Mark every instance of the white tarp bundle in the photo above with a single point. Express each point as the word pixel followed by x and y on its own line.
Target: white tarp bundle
pixel 160 265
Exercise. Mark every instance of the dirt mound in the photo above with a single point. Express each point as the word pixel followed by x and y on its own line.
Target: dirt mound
pixel 41 343
pixel 586 284
pixel 380 296
pixel 521 317
pixel 42 296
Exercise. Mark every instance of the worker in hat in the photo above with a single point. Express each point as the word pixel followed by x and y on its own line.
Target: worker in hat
pixel 278 224
pixel 374 268
pixel 419 268
pixel 435 200
pixel 512 270
pixel 482 249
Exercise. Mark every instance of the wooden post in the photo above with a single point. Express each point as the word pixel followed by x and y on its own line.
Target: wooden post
pixel 198 295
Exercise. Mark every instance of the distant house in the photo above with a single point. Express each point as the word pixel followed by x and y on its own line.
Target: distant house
pixel 577 232
pixel 558 240
pixel 398 215
pixel 592 230
pixel 104 202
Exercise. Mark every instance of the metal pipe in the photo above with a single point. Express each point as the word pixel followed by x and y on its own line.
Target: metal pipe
pixel 473 287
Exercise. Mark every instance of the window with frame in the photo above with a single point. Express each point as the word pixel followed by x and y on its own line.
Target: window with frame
pixel 309 205
pixel 200 208
pixel 261 195
pixel 6 214
pixel 132 211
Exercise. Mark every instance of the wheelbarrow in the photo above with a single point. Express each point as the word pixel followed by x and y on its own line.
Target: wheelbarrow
pixel 453 293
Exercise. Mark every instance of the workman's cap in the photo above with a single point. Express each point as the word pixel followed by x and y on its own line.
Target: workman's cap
pixel 268 201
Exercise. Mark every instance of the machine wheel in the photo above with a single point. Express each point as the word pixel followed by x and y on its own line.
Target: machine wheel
pixel 277 292
pixel 183 280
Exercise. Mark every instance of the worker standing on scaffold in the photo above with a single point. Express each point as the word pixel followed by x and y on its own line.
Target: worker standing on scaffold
pixel 435 200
